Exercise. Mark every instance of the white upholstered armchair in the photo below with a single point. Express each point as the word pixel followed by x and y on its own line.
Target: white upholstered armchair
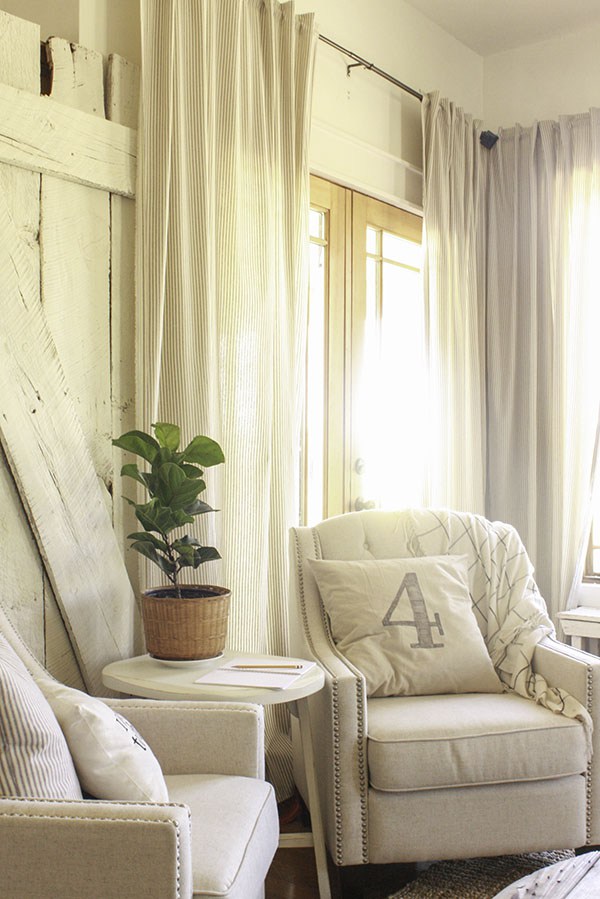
pixel 418 777
pixel 213 834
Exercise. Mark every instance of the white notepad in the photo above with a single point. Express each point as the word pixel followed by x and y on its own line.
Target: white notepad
pixel 275 678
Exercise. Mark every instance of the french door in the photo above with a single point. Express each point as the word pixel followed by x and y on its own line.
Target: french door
pixel 365 422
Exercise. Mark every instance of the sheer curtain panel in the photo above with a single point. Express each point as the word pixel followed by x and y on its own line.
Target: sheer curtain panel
pixel 221 274
pixel 543 322
pixel 452 232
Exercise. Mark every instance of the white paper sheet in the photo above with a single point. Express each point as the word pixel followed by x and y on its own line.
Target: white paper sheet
pixel 275 677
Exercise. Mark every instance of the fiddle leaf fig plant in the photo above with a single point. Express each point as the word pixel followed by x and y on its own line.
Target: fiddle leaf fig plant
pixel 173 483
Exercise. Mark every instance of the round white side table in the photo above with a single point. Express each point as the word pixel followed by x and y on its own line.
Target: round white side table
pixel 153 679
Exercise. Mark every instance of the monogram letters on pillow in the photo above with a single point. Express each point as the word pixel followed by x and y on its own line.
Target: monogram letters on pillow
pixel 111 758
pixel 407 624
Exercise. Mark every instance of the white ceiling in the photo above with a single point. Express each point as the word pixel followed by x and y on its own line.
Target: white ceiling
pixel 490 26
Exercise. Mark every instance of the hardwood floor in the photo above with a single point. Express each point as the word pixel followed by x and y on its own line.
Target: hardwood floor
pixel 293 873
pixel 293 876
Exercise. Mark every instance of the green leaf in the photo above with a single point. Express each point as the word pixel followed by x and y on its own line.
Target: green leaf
pixel 167 435
pixel 153 516
pixel 145 549
pixel 190 470
pixel 196 556
pixel 186 540
pixel 132 471
pixel 139 443
pixel 186 554
pixel 186 494
pixel 199 508
pixel 203 450
pixel 168 478
pixel 207 554
pixel 146 537
pixel 163 456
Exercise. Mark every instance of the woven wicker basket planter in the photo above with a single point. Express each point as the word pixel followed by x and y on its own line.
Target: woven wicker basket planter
pixel 193 627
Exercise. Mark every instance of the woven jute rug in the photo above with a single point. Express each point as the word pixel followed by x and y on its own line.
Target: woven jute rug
pixel 476 878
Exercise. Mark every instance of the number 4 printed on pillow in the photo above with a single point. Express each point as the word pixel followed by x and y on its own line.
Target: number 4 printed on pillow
pixel 421 621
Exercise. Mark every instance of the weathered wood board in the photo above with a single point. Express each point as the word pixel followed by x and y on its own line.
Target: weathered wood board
pixel 40 134
pixel 21 568
pixel 122 91
pixel 122 321
pixel 67 269
pixel 77 76
pixel 122 99
pixel 46 449
pixel 75 259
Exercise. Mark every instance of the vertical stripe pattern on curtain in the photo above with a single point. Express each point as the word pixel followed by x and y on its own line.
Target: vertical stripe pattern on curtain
pixel 543 320
pixel 454 171
pixel 222 290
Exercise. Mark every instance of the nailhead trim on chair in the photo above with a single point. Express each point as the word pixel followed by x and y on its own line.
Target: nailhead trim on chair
pixel 363 778
pixel 588 774
pixel 362 767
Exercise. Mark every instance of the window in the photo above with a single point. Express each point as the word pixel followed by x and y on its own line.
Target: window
pixel 365 405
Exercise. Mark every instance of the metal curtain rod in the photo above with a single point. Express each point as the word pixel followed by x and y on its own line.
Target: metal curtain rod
pixel 359 61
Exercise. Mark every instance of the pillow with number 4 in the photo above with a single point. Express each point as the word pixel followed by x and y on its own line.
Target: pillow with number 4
pixel 407 624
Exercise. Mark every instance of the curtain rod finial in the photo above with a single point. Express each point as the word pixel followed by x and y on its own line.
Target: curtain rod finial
pixel 487 139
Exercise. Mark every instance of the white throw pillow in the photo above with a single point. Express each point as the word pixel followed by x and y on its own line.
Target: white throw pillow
pixel 111 759
pixel 407 624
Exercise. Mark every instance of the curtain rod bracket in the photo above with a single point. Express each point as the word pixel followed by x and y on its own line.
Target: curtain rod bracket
pixel 359 65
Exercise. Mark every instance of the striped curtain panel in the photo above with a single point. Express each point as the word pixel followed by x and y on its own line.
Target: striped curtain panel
pixel 222 282
pixel 543 322
pixel 512 270
pixel 453 178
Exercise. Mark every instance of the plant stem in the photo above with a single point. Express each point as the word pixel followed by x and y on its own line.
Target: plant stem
pixel 172 577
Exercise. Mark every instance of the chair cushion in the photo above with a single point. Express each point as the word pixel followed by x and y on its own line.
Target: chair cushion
pixel 407 624
pixel 34 757
pixel 424 742
pixel 235 831
pixel 111 759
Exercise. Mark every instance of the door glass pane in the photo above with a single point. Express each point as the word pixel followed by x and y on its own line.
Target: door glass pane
pixel 314 431
pixel 372 240
pixel 392 386
pixel 398 249
pixel 316 224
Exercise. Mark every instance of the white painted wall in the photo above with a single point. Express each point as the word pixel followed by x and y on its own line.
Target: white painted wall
pixel 110 26
pixel 543 80
pixel 56 19
pixel 363 126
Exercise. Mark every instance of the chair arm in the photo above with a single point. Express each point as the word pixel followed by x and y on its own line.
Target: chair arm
pixel 338 714
pixel 117 850
pixel 199 737
pixel 578 673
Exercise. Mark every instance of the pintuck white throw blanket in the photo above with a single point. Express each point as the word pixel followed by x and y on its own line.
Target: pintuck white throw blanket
pixel 510 611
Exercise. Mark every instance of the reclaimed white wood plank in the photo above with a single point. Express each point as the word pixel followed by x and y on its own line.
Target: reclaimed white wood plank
pixel 75 248
pixel 19 53
pixel 41 135
pixel 60 659
pixel 21 571
pixel 77 75
pixel 122 91
pixel 122 307
pixel 46 449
